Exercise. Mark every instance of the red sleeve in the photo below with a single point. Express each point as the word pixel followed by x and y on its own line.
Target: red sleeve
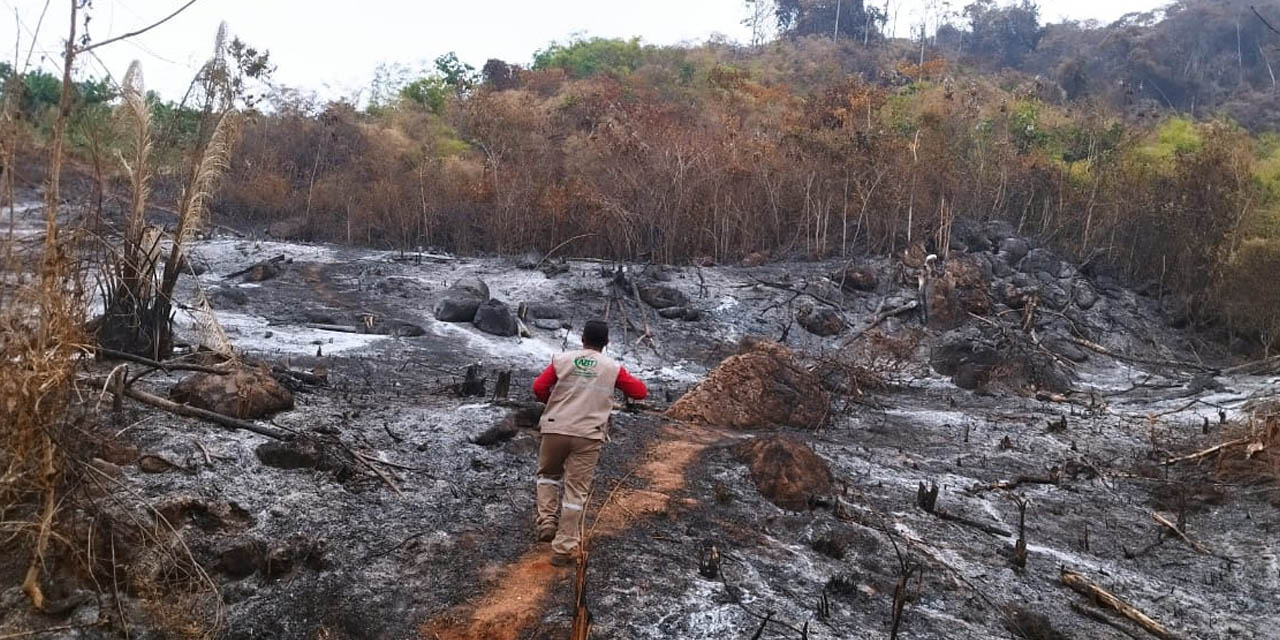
pixel 631 386
pixel 542 386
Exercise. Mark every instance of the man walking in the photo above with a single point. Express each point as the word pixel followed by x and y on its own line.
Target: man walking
pixel 578 389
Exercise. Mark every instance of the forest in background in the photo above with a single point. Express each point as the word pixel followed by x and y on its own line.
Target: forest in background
pixel 1144 147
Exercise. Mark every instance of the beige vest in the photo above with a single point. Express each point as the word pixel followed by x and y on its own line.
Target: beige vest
pixel 582 399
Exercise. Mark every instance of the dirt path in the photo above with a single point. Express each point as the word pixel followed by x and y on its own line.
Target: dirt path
pixel 516 602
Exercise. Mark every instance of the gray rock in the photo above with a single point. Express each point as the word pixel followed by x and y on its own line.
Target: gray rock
pixel 1056 297
pixel 826 290
pixel 1013 250
pixel 961 350
pixel 1001 269
pixel 1068 350
pixel 999 230
pixel 661 296
pixel 457 307
pixel 229 297
pixel 673 313
pixel 1084 294
pixel 495 317
pixel 550 324
pixel 1041 261
pixel 543 311
pixel 472 286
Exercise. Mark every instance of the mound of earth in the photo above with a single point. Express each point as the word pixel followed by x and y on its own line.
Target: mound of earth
pixel 243 393
pixel 760 387
pixel 785 470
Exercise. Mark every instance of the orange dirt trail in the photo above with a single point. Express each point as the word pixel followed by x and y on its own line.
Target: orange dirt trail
pixel 515 603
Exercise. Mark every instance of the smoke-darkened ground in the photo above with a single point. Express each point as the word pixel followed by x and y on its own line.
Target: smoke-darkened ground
pixel 419 547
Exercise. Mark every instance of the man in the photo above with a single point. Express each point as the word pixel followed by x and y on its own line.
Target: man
pixel 578 389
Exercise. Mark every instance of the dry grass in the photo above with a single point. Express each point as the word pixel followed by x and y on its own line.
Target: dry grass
pixel 1256 459
pixel 40 337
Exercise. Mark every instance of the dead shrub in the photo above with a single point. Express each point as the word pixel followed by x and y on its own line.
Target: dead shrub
pixel 1255 459
pixel 877 362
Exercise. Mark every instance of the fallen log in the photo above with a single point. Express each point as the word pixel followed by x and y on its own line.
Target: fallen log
pixel 302 376
pixel 1098 616
pixel 339 328
pixel 203 414
pixel 1210 451
pixel 1266 365
pixel 1008 485
pixel 980 526
pixel 261 263
pixel 1093 346
pixel 884 315
pixel 1083 586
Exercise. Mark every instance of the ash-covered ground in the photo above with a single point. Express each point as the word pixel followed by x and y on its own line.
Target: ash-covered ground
pixel 438 541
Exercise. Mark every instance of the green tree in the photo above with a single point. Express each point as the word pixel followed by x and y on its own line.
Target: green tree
pixel 1004 34
pixel 821 17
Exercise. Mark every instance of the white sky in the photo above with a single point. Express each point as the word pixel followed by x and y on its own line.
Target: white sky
pixel 332 47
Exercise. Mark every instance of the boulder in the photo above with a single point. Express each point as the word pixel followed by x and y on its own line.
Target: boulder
pixel 542 311
pixel 825 290
pixel 1084 294
pixel 398 329
pixel 1013 250
pixel 474 287
pixel 969 236
pixel 761 386
pixel 1041 261
pixel 1055 297
pixel 820 322
pixel 999 230
pixel 963 349
pixel 859 278
pixel 457 308
pixel 661 296
pixel 785 470
pixel 247 394
pixel 462 300
pixel 495 317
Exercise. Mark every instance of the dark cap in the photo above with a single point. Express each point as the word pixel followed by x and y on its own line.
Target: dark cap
pixel 595 334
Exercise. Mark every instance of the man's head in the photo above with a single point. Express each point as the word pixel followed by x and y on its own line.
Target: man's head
pixel 595 335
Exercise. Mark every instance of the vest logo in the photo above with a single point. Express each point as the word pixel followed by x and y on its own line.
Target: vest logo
pixel 584 363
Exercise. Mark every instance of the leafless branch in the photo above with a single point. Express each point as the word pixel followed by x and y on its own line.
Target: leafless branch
pixel 139 32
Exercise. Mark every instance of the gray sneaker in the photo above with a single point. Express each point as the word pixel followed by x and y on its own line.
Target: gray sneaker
pixel 546 534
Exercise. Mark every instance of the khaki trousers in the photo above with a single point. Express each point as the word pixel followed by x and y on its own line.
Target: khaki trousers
pixel 566 462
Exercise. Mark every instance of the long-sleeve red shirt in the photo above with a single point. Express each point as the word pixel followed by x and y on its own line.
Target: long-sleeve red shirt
pixel 628 384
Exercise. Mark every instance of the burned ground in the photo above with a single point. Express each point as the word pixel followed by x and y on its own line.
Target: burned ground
pixel 307 540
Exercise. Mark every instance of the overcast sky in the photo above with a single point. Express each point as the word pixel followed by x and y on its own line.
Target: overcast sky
pixel 332 47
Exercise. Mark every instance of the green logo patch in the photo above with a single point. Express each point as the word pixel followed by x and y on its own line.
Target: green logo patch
pixel 584 363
